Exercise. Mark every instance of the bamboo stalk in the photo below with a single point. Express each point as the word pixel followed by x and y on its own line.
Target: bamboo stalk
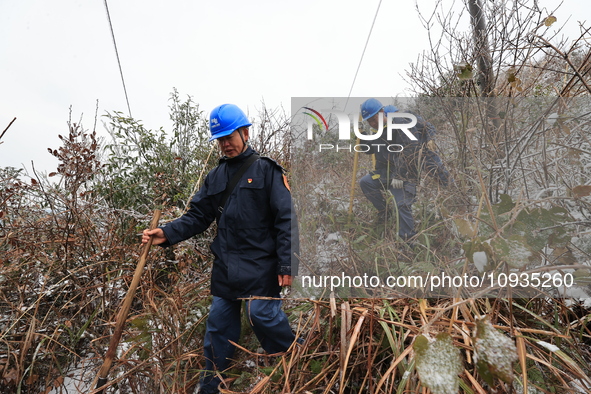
pixel 353 181
pixel 124 311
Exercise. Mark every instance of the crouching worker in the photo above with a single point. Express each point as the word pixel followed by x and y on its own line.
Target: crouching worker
pixel 398 171
pixel 256 242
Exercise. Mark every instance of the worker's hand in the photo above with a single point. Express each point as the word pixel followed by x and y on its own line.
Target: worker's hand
pixel 284 280
pixel 157 235
pixel 397 183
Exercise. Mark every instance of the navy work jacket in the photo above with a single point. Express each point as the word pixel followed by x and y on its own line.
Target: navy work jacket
pixel 407 164
pixel 257 236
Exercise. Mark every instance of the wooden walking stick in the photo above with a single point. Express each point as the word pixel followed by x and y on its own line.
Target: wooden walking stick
pixel 122 315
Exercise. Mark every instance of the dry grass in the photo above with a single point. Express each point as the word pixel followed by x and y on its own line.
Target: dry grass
pixel 64 275
pixel 361 346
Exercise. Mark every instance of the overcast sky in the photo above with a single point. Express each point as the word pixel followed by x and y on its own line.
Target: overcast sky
pixel 57 54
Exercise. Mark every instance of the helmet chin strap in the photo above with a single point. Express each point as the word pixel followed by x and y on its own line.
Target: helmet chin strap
pixel 244 145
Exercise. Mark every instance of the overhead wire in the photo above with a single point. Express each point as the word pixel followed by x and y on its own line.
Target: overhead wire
pixel 118 60
pixel 363 53
pixel 355 161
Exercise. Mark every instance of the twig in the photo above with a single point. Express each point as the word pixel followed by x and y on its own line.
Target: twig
pixel 562 225
pixel 7 127
pixel 566 58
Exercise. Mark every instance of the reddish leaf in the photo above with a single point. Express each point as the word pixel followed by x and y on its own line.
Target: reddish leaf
pixel 581 191
pixel 32 379
pixel 12 376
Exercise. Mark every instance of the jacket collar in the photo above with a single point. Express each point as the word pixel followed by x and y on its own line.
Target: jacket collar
pixel 238 159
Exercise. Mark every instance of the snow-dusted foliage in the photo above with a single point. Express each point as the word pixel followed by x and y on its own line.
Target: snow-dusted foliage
pixel 438 363
pixel 494 352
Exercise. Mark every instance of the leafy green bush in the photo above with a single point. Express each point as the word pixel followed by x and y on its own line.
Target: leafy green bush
pixel 144 168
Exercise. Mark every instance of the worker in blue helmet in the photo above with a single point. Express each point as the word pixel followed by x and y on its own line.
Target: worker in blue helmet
pixel 255 247
pixel 398 171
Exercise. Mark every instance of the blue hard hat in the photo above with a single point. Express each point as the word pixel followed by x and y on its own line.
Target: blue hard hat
pixel 370 107
pixel 390 108
pixel 225 119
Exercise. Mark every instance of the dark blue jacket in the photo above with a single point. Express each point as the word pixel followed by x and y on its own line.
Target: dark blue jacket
pixel 257 236
pixel 415 156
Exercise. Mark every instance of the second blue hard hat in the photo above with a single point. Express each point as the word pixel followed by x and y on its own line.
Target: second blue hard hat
pixel 370 107
pixel 390 108
pixel 225 119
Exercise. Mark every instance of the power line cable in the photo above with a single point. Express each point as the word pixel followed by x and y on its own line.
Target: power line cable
pixel 118 60
pixel 363 53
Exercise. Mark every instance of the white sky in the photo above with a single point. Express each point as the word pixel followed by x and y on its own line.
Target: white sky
pixel 57 54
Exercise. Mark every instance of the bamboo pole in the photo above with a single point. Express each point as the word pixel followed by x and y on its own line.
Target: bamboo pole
pixel 124 311
pixel 353 181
